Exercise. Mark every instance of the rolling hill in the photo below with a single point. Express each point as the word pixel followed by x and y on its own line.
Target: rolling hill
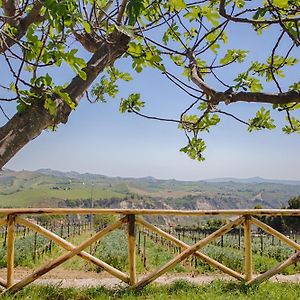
pixel 49 188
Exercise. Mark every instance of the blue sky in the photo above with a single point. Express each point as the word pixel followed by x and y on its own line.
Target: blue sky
pixel 98 139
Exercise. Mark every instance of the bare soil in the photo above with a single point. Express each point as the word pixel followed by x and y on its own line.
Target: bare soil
pixel 72 278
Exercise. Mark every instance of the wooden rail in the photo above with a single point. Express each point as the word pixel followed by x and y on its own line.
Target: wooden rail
pixel 133 218
pixel 174 212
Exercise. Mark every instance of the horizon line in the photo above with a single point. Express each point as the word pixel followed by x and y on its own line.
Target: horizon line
pixel 227 178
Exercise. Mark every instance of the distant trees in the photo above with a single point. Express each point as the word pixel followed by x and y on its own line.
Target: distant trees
pixel 294 203
pixel 292 223
pixel 284 224
pixel 215 223
pixel 103 220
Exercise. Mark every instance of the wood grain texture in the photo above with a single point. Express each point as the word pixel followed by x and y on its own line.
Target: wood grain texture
pixel 248 249
pixel 10 249
pixel 84 211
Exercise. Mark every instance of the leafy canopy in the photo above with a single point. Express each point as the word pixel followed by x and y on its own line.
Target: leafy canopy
pixel 186 42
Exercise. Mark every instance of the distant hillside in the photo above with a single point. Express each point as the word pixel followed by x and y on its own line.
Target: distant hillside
pixel 72 174
pixel 52 188
pixel 253 180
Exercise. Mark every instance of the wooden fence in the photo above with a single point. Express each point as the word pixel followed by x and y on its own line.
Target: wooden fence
pixel 130 218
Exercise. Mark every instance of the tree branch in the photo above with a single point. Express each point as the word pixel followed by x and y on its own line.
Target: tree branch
pixel 86 40
pixel 216 97
pixel 10 9
pixel 267 98
pixel 195 75
pixel 32 17
pixel 223 13
pixel 24 127
pixel 121 11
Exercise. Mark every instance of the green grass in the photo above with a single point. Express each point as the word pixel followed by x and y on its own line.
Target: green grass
pixel 113 250
pixel 43 193
pixel 25 188
pixel 217 290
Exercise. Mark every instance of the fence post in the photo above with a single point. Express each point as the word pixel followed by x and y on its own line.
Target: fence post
pixel 34 247
pixel 10 249
pixel 248 250
pixel 68 229
pixel 131 249
pixel 144 252
pixel 5 236
pixel 139 242
pixel 261 244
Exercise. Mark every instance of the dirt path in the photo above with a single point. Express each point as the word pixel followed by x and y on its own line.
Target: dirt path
pixel 71 278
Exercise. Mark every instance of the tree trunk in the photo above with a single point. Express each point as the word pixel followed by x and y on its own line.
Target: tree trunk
pixel 24 127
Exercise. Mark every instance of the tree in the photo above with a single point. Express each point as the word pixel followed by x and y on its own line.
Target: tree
pixel 38 36
pixel 294 203
pixel 100 221
pixel 292 223
pixel 283 224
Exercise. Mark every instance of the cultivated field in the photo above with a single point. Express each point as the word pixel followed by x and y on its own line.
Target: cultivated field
pixel 31 249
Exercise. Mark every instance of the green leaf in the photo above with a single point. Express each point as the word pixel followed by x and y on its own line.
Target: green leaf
pixel 295 86
pixel 12 87
pixel 255 86
pixel 108 84
pixel 127 30
pixel 195 149
pixel 176 5
pixel 131 103
pixel 22 107
pixel 234 55
pixel 262 120
pixel 260 13
pixel 64 96
pixel 143 57
pixel 177 59
pixel 246 82
pixel 294 126
pixel 81 74
pixel 203 106
pixel 172 33
pixel 50 106
pixel 43 81
pixel 125 76
pixel 239 3
pixel 211 14
pixel 281 3
pixel 86 26
pixel 194 123
pixel 193 13
pixel 134 10
pixel 135 49
pixel 213 38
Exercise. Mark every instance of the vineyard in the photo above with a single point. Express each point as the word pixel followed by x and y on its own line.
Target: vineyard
pixel 31 249
pixel 131 247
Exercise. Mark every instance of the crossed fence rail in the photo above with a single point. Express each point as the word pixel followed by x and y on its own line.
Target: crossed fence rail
pixel 129 219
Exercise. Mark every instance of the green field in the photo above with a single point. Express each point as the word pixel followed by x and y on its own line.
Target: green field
pixel 179 290
pixel 53 188
pixel 26 189
pixel 32 250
